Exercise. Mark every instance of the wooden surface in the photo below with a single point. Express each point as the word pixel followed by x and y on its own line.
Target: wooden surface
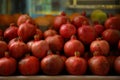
pixel 60 78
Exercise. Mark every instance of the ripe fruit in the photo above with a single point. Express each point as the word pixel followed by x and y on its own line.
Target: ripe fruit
pixel 117 65
pixel 3 48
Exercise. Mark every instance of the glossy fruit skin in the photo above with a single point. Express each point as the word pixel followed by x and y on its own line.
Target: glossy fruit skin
pixel 73 45
pixel 52 64
pixel 12 41
pixel 18 49
pixel 55 42
pixel 40 48
pixel 99 65
pixel 29 44
pixel 3 48
pixel 23 18
pixel 49 32
pixel 26 30
pixel 112 36
pixel 29 65
pixel 86 34
pixel 78 21
pixel 113 23
pixel 101 46
pixel 8 66
pixel 67 30
pixel 40 33
pixel 117 65
pixel 11 32
pixel 99 29
pixel 58 21
pixel 76 65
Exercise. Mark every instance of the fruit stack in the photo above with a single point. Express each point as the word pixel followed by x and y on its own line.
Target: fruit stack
pixel 70 45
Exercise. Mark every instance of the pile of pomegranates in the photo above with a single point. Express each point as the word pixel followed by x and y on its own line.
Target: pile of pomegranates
pixel 70 47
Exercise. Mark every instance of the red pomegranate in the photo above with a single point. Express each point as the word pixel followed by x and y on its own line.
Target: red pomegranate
pixel 86 34
pixel 112 36
pixel 18 49
pixel 99 29
pixel 117 65
pixel 52 64
pixel 26 30
pixel 8 65
pixel 78 21
pixel 76 65
pixel 40 33
pixel 55 42
pixel 99 65
pixel 12 41
pixel 67 30
pixel 101 46
pixel 11 32
pixel 59 20
pixel 3 48
pixel 39 48
pixel 29 65
pixel 23 18
pixel 73 45
pixel 29 44
pixel 49 32
pixel 113 23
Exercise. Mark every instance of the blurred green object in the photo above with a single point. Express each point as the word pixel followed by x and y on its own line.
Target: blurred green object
pixel 98 16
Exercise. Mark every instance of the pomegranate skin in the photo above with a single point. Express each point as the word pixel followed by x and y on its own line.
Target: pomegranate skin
pixel 56 42
pixel 67 30
pixel 99 65
pixel 117 65
pixel 29 65
pixel 113 23
pixel 26 30
pixel 86 34
pixel 8 66
pixel 101 46
pixel 99 29
pixel 52 64
pixel 73 45
pixel 3 48
pixel 40 48
pixel 49 32
pixel 11 32
pixel 78 21
pixel 112 36
pixel 18 49
pixel 76 65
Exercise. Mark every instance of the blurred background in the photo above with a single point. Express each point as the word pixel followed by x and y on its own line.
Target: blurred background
pixel 42 7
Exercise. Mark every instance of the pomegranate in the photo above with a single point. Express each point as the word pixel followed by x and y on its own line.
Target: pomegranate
pixel 39 48
pixel 76 65
pixel 99 65
pixel 23 18
pixel 49 32
pixel 86 34
pixel 12 41
pixel 29 65
pixel 117 65
pixel 18 49
pixel 99 29
pixel 29 44
pixel 79 20
pixel 83 13
pixel 113 23
pixel 59 20
pixel 101 46
pixel 55 42
pixel 26 30
pixel 67 30
pixel 3 48
pixel 40 33
pixel 11 32
pixel 112 36
pixel 72 46
pixel 7 65
pixel 52 64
